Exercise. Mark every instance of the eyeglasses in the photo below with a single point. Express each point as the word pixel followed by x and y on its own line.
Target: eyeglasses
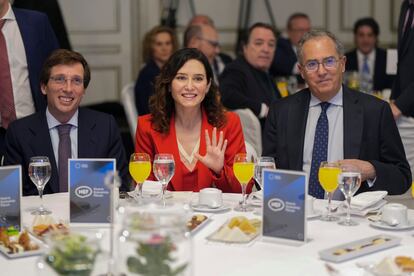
pixel 61 80
pixel 213 43
pixel 328 63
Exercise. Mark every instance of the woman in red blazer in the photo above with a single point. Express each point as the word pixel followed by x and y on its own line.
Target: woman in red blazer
pixel 188 120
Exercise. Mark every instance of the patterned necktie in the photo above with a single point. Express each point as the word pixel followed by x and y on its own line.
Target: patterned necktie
pixel 320 152
pixel 64 153
pixel 7 109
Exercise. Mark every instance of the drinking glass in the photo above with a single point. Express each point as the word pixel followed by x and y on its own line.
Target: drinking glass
pixel 264 162
pixel 328 177
pixel 40 172
pixel 349 182
pixel 243 168
pixel 163 169
pixel 140 169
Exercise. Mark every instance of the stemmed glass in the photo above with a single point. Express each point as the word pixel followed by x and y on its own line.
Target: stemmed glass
pixel 328 177
pixel 40 172
pixel 349 182
pixel 264 162
pixel 140 169
pixel 164 168
pixel 243 168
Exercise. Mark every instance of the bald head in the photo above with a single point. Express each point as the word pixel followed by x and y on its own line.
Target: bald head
pixel 204 38
pixel 201 19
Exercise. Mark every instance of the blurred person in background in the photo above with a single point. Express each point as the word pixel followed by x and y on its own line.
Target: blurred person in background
pixel 157 47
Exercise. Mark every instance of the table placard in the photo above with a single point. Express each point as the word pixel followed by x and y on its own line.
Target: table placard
pixel 10 196
pixel 284 206
pixel 90 198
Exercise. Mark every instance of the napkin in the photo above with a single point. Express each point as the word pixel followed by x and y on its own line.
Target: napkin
pixel 256 198
pixel 150 189
pixel 367 199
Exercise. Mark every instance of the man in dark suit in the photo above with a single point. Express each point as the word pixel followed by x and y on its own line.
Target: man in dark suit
pixel 89 134
pixel 367 58
pixel 29 39
pixel 246 83
pixel 330 122
pixel 285 62
pixel 402 95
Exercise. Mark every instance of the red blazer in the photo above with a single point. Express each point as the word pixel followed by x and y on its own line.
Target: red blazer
pixel 151 141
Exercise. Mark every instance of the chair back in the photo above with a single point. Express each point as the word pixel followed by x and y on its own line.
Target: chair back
pixel 128 101
pixel 252 130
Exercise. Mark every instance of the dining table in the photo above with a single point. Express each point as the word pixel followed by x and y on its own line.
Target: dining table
pixel 258 257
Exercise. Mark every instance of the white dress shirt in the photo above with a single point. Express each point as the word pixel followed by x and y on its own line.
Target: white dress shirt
pixel 23 99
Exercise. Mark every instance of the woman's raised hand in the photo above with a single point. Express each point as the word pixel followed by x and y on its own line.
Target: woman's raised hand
pixel 214 158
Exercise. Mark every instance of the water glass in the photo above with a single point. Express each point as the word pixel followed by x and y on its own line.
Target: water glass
pixel 264 162
pixel 349 182
pixel 40 172
pixel 163 168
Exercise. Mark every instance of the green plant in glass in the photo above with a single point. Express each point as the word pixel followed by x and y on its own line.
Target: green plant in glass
pixel 155 258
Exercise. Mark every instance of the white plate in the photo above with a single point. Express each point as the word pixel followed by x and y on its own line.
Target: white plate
pixel 39 251
pixel 205 209
pixel 314 214
pixel 201 225
pixel 382 225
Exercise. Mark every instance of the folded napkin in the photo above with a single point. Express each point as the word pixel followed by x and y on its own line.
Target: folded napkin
pixel 367 199
pixel 256 195
pixel 375 208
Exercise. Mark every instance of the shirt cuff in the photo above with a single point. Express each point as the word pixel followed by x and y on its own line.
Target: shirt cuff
pixel 371 182
pixel 263 111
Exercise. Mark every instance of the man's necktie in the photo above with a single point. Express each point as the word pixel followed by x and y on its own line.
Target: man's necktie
pixel 365 66
pixel 320 152
pixel 64 153
pixel 7 109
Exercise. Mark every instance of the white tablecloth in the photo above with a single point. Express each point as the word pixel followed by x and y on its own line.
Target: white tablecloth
pixel 258 258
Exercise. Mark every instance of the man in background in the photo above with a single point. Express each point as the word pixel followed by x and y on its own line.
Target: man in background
pixel 402 95
pixel 367 58
pixel 26 39
pixel 64 130
pixel 246 83
pixel 285 62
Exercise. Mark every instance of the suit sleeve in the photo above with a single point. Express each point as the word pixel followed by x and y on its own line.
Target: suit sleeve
pixel 232 84
pixel 393 171
pixel 13 155
pixel 269 134
pixel 117 151
pixel 226 181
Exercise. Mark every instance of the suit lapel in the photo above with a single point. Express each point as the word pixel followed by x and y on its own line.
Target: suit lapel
pixel 41 144
pixel 87 139
pixel 296 126
pixel 353 123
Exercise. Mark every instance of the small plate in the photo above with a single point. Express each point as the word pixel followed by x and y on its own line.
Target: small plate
pixel 205 209
pixel 383 225
pixel 314 214
pixel 23 254
pixel 201 224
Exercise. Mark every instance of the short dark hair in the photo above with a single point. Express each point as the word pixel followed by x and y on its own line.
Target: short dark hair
pixel 294 16
pixel 64 57
pixel 367 21
pixel 162 104
pixel 190 32
pixel 259 25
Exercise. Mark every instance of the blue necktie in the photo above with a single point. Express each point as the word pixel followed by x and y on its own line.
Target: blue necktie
pixel 365 66
pixel 320 152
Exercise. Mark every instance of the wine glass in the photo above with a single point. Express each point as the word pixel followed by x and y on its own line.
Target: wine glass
pixel 328 177
pixel 40 172
pixel 140 169
pixel 163 168
pixel 349 182
pixel 243 168
pixel 264 162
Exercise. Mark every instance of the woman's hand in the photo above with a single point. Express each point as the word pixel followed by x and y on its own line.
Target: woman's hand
pixel 214 158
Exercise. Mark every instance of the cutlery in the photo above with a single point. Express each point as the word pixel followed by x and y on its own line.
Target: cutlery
pixel 332 270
